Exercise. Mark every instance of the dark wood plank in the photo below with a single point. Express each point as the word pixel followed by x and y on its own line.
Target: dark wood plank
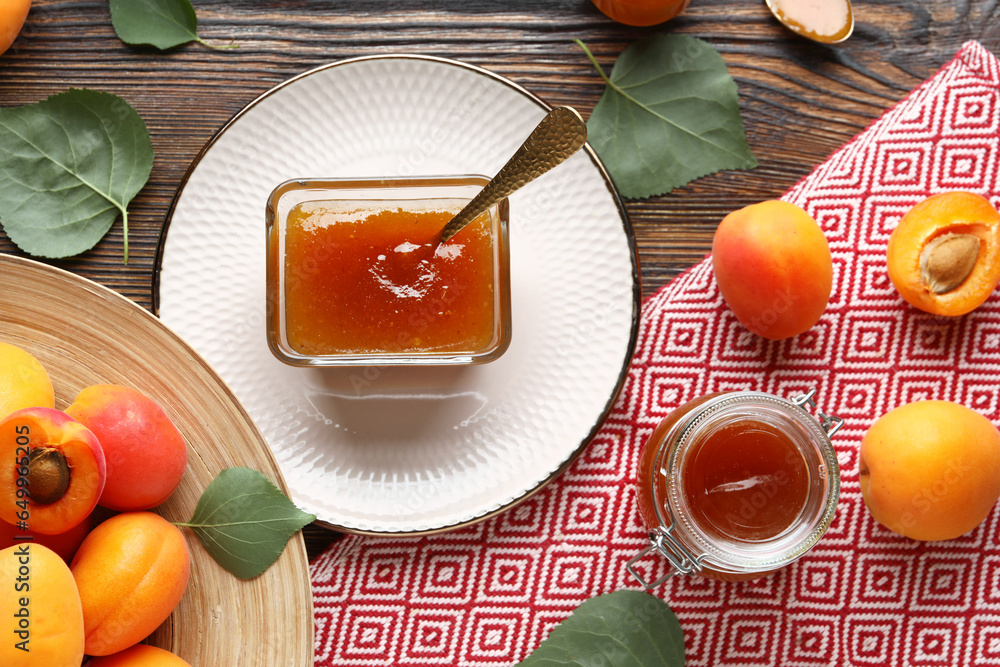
pixel 800 101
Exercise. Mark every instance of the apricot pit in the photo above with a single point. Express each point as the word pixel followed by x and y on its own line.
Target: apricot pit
pixel 947 261
pixel 944 255
pixel 48 475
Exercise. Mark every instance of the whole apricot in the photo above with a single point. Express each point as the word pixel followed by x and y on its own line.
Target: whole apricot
pixel 140 655
pixel 24 382
pixel 774 268
pixel 12 16
pixel 40 608
pixel 65 544
pixel 56 473
pixel 641 12
pixel 146 454
pixel 930 470
pixel 131 572
pixel 943 256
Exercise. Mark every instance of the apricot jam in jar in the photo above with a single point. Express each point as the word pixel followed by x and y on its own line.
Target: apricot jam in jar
pixel 737 485
pixel 356 273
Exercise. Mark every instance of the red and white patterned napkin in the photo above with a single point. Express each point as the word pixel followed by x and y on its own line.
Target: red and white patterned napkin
pixel 489 594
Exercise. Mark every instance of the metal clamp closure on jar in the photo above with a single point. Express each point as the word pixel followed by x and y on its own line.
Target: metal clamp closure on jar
pixel 681 530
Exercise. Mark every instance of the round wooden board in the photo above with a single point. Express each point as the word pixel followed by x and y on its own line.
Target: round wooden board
pixel 86 334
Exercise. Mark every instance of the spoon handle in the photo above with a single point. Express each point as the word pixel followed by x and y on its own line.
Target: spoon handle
pixel 560 134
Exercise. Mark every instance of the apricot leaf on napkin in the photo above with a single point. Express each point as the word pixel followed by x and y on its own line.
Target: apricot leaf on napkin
pixel 69 166
pixel 160 23
pixel 244 521
pixel 669 114
pixel 620 629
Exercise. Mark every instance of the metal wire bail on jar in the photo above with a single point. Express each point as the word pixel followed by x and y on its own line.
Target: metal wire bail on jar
pixel 677 530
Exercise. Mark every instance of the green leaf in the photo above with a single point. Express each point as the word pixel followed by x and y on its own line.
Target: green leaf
pixel 69 166
pixel 669 114
pixel 160 23
pixel 620 629
pixel 244 521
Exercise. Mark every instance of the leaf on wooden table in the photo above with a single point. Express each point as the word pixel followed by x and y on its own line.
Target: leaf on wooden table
pixel 244 521
pixel 620 629
pixel 160 23
pixel 69 166
pixel 669 114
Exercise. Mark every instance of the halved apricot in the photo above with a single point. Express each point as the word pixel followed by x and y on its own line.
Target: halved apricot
pixel 944 255
pixel 53 470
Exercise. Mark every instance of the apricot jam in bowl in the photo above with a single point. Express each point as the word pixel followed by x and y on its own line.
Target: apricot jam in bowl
pixel 356 274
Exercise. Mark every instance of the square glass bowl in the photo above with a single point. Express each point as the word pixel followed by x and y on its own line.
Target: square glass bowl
pixel 355 275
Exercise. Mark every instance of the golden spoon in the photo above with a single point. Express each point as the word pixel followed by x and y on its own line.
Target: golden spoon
pixel 823 21
pixel 560 134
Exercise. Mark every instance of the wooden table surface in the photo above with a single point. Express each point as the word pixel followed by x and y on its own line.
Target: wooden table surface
pixel 800 101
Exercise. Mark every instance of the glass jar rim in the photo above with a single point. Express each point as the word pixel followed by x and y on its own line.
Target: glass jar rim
pixel 728 555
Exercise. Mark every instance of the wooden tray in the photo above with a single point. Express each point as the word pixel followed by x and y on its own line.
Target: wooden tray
pixel 86 334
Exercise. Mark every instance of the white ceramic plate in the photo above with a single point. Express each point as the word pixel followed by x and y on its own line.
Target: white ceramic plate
pixel 409 450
